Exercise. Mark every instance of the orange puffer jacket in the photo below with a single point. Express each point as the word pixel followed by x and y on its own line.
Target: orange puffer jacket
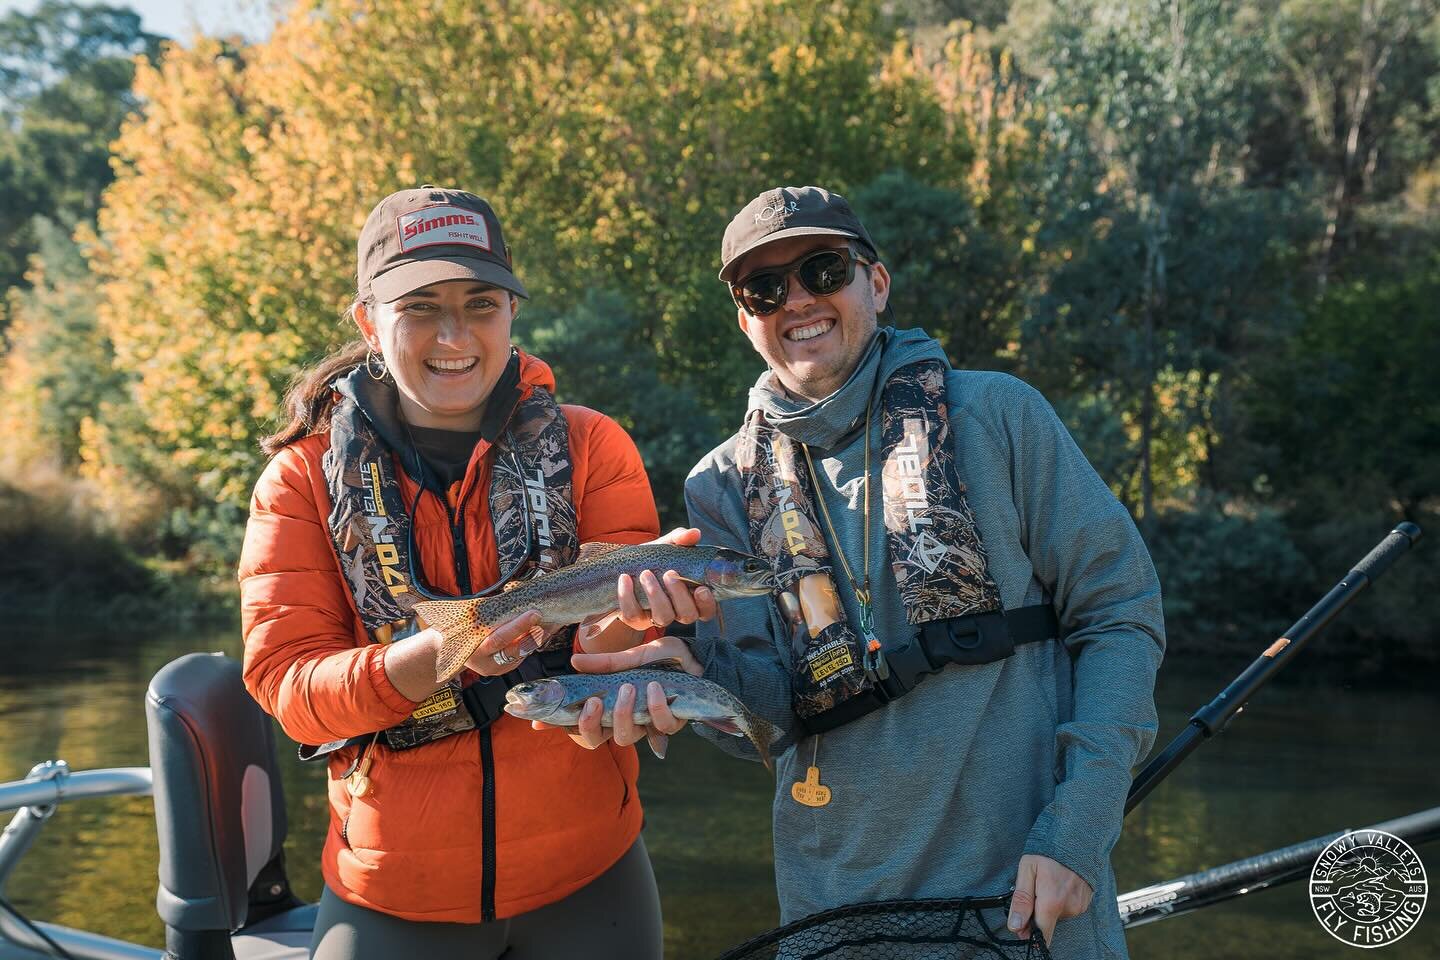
pixel 419 844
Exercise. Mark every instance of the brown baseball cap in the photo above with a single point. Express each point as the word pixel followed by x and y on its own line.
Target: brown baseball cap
pixel 429 234
pixel 788 212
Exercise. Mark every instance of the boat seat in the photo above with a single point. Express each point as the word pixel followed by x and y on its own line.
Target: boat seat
pixel 220 815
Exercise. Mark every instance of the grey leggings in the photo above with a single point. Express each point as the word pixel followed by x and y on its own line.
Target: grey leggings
pixel 614 917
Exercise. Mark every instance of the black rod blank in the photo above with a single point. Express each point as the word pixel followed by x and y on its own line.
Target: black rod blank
pixel 1260 872
pixel 1212 718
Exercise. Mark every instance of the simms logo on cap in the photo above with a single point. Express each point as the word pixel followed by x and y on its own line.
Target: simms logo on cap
pixel 443 224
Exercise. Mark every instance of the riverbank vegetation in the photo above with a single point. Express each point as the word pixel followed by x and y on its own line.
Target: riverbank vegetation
pixel 1206 229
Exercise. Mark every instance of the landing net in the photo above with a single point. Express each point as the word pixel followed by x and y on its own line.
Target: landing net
pixel 898 930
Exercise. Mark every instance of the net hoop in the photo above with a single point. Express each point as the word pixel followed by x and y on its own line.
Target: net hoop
pixel 852 935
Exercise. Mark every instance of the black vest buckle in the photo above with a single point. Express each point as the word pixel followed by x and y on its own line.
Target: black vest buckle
pixel 973 639
pixel 976 638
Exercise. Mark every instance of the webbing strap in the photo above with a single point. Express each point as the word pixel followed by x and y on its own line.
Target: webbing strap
pixel 972 639
pixel 483 698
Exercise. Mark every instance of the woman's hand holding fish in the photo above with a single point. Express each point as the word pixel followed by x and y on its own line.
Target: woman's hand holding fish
pixel 517 638
pixel 410 663
pixel 672 600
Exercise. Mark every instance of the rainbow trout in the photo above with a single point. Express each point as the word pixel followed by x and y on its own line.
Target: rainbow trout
pixel 559 700
pixel 587 588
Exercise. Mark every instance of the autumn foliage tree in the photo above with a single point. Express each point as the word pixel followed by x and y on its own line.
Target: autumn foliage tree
pixel 1138 212
pixel 615 142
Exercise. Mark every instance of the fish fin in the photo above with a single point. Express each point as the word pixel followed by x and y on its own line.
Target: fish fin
pixel 513 585
pixel 725 725
pixel 720 617
pixel 596 548
pixel 760 732
pixel 671 664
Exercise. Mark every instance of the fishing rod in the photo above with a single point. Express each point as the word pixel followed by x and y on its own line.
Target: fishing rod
pixel 1212 718
pixel 1260 872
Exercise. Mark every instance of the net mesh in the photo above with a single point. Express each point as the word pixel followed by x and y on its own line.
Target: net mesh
pixel 898 930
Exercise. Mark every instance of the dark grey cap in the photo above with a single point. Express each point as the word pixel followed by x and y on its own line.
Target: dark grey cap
pixel 417 237
pixel 788 212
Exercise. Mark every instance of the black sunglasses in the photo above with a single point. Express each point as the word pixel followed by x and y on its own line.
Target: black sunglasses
pixel 822 272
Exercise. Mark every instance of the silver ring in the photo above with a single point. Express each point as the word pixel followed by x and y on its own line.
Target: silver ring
pixel 503 659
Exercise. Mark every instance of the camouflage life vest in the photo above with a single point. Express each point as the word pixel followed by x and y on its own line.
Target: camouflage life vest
pixel 370 525
pixel 935 554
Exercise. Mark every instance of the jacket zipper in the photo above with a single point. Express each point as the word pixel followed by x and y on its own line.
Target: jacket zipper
pixel 487 814
pixel 487 751
pixel 457 543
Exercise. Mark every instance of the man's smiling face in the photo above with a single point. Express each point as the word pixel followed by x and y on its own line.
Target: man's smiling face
pixel 813 343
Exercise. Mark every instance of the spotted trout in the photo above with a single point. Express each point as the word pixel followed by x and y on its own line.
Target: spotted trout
pixel 559 700
pixel 587 588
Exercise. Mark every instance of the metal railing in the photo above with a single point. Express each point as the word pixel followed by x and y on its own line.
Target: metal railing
pixel 34 799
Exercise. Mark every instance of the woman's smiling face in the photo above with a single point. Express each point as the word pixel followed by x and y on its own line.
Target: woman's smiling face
pixel 446 345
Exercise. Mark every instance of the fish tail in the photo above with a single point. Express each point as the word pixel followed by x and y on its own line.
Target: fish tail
pixel 458 624
pixel 761 733
pixel 456 649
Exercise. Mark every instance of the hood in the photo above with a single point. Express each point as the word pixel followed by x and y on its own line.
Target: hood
pixel 825 423
pixel 379 400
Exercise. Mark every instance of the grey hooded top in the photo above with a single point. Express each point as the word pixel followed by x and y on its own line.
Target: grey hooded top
pixel 939 793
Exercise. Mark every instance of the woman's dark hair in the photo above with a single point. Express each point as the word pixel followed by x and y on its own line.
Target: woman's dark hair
pixel 310 399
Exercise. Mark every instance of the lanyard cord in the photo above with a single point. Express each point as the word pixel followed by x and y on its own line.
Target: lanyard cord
pixel 417 581
pixel 862 589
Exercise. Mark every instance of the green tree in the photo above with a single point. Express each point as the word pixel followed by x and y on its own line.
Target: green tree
pixel 589 347
pixel 1166 266
pixel 1349 405
pixel 58 363
pixel 1347 423
pixel 1364 73
pixel 615 141
pixel 65 77
pixel 949 274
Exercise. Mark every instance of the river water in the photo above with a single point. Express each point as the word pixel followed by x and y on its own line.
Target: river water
pixel 1303 761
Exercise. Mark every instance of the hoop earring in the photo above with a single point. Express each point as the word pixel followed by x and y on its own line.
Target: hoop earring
pixel 372 363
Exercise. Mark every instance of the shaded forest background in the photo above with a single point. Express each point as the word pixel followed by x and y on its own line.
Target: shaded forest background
pixel 1206 229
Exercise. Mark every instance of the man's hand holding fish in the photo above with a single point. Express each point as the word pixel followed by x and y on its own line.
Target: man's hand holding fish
pixel 610 647
pixel 671 598
pixel 590 732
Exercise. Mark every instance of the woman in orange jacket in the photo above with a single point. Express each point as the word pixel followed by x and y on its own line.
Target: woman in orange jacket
pixel 430 458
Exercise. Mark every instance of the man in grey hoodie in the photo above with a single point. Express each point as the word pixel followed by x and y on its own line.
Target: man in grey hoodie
pixel 965 682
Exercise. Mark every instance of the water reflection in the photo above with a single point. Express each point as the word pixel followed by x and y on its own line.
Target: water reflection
pixel 1301 764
